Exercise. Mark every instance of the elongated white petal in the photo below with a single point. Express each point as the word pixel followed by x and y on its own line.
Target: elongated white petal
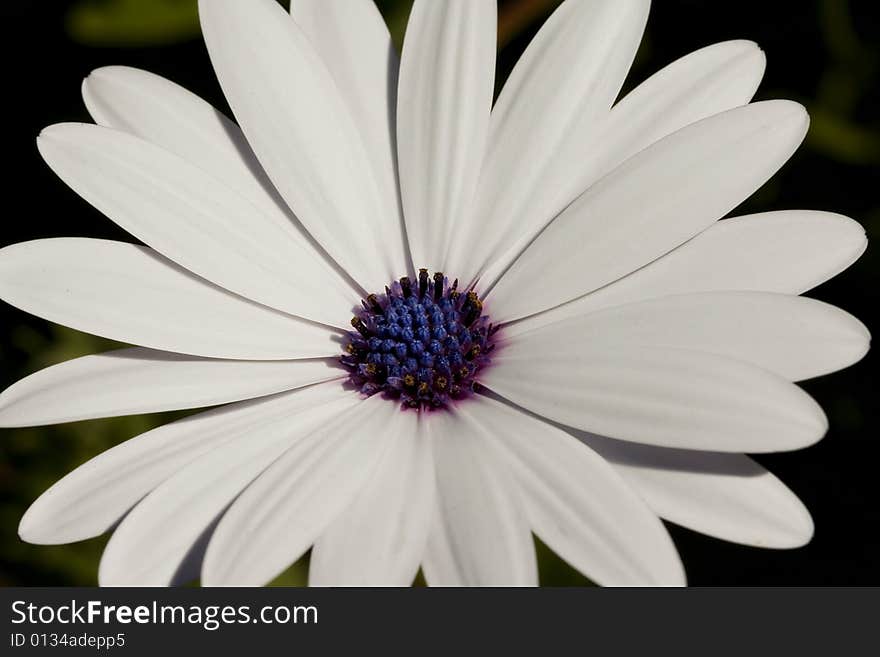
pixel 577 504
pixel 298 124
pixel 138 380
pixel 154 543
pixel 380 538
pixel 559 93
pixel 132 294
pixel 788 252
pixel 795 337
pixel 652 203
pixel 167 115
pixel 354 43
pixel 275 520
pixel 164 113
pixel 706 82
pixel 480 536
pixel 659 396
pixel 91 499
pixel 195 220
pixel 446 84
pixel 728 496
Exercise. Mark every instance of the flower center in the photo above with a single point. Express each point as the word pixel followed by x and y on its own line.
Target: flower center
pixel 422 342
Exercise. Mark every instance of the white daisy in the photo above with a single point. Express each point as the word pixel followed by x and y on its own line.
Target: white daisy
pixel 608 355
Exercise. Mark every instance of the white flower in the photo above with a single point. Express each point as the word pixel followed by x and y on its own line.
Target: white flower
pixel 623 307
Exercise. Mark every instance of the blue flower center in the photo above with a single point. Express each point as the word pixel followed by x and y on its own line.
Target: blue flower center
pixel 422 342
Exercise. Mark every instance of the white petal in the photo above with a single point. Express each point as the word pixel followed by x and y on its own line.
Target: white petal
pixel 275 520
pixel 137 380
pixel 658 396
pixel 703 83
pixel 480 536
pixel 794 337
pixel 788 252
pixel 91 499
pixel 166 114
pixel 652 203
pixel 577 504
pixel 353 41
pixel 132 294
pixel 446 84
pixel 380 538
pixel 153 545
pixel 196 220
pixel 728 496
pixel 559 93
pixel 298 124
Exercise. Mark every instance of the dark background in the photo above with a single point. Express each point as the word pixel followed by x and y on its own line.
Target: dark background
pixel 823 53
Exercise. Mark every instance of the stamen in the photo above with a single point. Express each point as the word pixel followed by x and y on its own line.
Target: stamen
pixel 358 323
pixel 373 302
pixel 423 282
pixel 438 286
pixel 406 286
pixel 423 348
pixel 472 308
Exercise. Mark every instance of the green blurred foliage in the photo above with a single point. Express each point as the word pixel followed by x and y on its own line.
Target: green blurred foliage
pixel 835 129
pixel 133 23
pixel 33 458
